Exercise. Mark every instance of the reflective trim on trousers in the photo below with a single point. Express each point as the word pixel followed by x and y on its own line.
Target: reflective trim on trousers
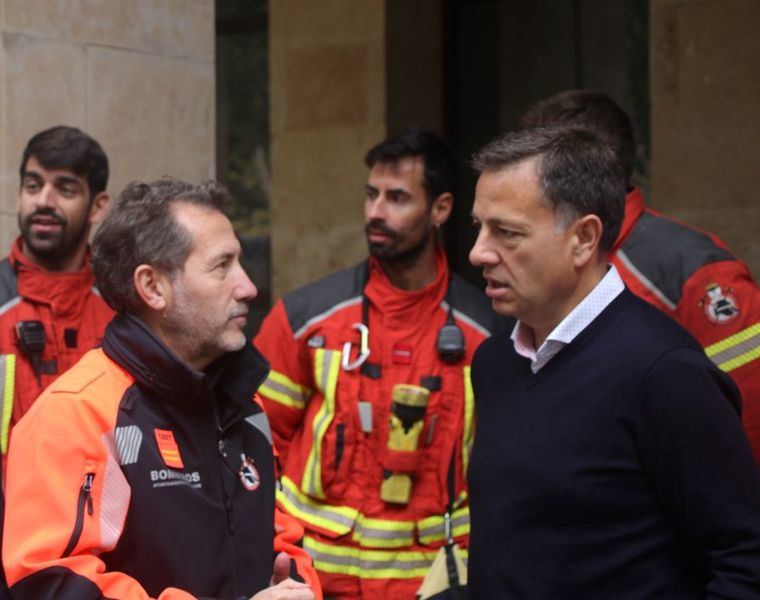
pixel 369 564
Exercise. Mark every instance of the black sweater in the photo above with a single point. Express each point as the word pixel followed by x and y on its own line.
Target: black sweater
pixel 619 470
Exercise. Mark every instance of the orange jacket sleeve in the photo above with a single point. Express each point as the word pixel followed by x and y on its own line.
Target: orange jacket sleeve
pixel 290 383
pixel 720 306
pixel 47 552
pixel 287 538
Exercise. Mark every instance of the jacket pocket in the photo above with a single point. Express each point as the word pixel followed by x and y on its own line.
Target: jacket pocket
pixel 84 502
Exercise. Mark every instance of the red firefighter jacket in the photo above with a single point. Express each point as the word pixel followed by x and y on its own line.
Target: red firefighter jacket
pixel 692 276
pixel 134 476
pixel 331 425
pixel 73 315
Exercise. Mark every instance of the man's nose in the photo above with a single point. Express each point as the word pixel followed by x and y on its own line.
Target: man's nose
pixel 481 254
pixel 46 197
pixel 245 290
pixel 377 209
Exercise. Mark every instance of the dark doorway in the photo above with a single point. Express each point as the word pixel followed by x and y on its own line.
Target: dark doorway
pixel 503 55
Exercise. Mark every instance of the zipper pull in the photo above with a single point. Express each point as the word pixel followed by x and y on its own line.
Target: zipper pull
pixel 87 489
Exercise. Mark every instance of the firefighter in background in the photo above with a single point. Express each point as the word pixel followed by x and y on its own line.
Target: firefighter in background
pixel 369 393
pixel 686 273
pixel 50 311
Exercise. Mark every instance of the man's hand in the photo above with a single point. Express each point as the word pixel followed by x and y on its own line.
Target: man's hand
pixel 282 587
pixel 286 590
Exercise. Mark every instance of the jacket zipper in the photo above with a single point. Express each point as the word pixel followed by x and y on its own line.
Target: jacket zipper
pixel 85 499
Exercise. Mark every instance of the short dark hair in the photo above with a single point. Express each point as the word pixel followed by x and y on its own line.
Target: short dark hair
pixel 441 164
pixel 578 172
pixel 64 147
pixel 141 229
pixel 593 110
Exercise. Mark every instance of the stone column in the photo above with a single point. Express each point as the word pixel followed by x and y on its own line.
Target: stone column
pixel 343 75
pixel 705 60
pixel 137 75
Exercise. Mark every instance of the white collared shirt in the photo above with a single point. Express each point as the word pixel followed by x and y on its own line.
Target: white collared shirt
pixel 568 329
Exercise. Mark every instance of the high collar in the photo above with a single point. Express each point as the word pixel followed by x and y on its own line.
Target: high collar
pixel 634 206
pixel 65 292
pixel 394 301
pixel 232 379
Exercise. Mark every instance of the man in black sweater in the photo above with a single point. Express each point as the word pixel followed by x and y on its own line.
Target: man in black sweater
pixel 609 457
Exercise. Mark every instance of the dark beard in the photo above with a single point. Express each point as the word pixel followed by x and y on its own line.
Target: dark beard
pixel 389 253
pixel 56 246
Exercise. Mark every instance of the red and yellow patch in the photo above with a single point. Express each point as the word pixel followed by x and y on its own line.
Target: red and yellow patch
pixel 168 448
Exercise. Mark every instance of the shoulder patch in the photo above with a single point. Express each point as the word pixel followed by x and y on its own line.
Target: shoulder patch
pixel 663 254
pixel 76 379
pixel 317 300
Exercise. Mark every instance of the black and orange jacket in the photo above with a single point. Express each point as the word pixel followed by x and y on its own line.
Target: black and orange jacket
pixel 73 315
pixel 134 476
pixel 693 277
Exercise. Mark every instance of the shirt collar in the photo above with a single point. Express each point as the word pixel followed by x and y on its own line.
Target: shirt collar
pixel 588 309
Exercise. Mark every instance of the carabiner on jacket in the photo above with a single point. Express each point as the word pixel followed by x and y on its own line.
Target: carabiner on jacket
pixel 346 362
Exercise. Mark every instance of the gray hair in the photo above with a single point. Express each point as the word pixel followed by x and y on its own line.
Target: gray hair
pixel 141 229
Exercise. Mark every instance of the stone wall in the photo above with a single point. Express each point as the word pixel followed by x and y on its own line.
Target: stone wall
pixel 705 60
pixel 137 75
pixel 327 82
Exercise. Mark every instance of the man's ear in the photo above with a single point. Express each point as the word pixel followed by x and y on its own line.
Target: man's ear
pixel 99 207
pixel 153 287
pixel 587 234
pixel 441 209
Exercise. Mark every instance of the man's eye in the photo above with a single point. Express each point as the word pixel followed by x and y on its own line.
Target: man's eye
pixel 68 192
pixel 508 233
pixel 31 186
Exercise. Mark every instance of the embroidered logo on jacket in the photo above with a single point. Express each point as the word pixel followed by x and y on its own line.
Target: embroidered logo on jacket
pixel 719 306
pixel 249 474
pixel 168 448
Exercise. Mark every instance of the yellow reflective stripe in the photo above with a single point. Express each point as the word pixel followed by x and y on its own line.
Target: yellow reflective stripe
pixel 469 417
pixel 737 350
pixel 326 369
pixel 7 387
pixel 283 390
pixel 337 519
pixel 369 564
pixel 431 529
pixel 383 533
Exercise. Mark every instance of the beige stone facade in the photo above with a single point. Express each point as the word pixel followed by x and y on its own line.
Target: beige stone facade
pixel 138 75
pixel 327 99
pixel 705 91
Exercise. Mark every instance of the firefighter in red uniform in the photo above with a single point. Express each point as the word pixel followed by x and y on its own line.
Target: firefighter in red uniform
pixel 50 311
pixel 369 393
pixel 689 274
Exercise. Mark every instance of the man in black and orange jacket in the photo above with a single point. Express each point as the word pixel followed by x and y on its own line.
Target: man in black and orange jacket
pixel 147 470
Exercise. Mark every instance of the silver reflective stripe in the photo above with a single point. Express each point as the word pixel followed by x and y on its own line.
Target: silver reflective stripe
pixel 355 561
pixel 645 281
pixel 260 422
pixel 114 500
pixel 276 386
pixel 366 534
pixel 128 440
pixel 10 304
pixel 437 530
pixel 737 350
pixel 324 516
pixel 324 315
